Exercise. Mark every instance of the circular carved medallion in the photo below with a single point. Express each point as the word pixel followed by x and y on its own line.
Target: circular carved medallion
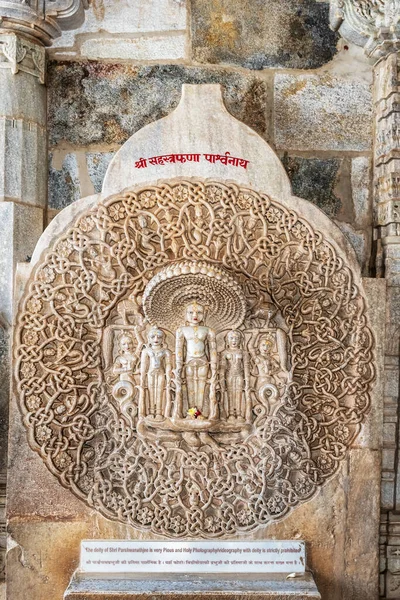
pixel 106 395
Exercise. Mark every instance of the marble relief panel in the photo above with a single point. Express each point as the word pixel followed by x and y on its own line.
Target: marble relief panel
pixel 193 359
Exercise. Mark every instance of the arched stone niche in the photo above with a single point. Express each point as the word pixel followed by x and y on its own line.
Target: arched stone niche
pixel 285 446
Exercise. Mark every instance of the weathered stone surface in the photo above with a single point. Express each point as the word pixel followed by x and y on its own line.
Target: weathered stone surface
pixel 390 491
pixel 23 149
pixel 91 103
pixel 160 48
pixel 315 180
pixel 129 17
pixel 41 556
pixel 361 553
pixel 361 191
pixel 203 587
pixel 322 112
pixel 6 262
pixel 361 242
pixel 372 431
pixel 22 97
pixel 341 188
pixel 20 228
pixel 97 164
pixel 392 265
pixel 64 182
pixel 259 34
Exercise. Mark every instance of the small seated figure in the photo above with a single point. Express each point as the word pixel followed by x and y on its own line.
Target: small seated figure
pixel 196 353
pixel 155 376
pixel 235 378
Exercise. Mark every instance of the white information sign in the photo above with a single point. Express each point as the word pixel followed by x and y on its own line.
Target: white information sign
pixel 193 557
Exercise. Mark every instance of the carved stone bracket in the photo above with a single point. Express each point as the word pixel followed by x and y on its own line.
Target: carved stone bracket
pixel 373 24
pixel 19 54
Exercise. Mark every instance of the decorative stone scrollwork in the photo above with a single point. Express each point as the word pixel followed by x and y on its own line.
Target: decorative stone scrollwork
pixel 155 412
pixel 373 24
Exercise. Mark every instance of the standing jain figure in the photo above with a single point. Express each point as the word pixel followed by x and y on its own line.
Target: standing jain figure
pixel 235 378
pixel 124 366
pixel 196 353
pixel 155 377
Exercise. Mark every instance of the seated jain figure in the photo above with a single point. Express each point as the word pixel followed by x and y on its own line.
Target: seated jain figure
pixel 155 377
pixel 196 356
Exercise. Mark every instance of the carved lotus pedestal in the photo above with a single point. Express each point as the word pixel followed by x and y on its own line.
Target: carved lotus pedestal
pixel 201 587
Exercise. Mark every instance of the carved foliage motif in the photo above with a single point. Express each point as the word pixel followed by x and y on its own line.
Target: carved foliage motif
pixel 92 282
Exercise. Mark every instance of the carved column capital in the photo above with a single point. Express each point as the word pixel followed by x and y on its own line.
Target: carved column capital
pixel 19 54
pixel 372 24
pixel 41 19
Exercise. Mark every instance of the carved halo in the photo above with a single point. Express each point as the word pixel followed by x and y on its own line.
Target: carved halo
pixel 175 286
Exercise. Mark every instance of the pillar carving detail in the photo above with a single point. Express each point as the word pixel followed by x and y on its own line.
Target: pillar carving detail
pixel 41 19
pixel 387 146
pixel 20 54
pixel 375 25
pixel 26 28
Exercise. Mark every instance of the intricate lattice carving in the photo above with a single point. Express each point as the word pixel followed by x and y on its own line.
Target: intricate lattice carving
pixel 305 333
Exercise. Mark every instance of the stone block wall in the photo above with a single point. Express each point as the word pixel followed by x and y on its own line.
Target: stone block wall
pixel 284 73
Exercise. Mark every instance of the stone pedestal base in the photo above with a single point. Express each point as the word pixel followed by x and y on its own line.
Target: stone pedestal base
pixel 185 587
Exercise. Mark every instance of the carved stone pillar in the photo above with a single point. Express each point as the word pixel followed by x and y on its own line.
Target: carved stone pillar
pixel 25 29
pixel 375 25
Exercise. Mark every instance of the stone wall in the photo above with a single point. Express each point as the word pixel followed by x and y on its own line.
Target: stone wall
pixel 284 72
